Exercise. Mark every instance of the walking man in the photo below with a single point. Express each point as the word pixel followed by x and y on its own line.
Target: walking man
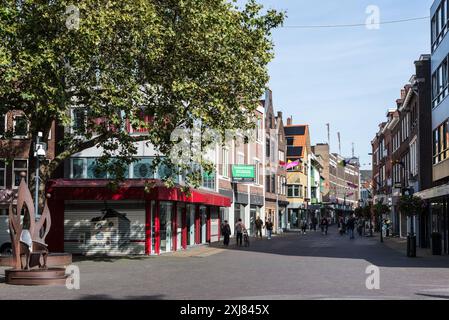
pixel 324 225
pixel 239 227
pixel 258 223
pixel 269 227
pixel 226 231
pixel 351 227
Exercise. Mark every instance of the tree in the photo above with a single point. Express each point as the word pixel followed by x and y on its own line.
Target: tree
pixel 411 206
pixel 156 65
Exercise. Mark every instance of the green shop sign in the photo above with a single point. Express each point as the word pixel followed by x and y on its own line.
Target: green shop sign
pixel 244 173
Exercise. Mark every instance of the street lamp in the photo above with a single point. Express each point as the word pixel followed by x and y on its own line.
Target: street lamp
pixel 39 154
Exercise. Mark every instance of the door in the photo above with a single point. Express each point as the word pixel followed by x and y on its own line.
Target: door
pixel 190 225
pixel 165 226
pixel 203 217
pixel 179 228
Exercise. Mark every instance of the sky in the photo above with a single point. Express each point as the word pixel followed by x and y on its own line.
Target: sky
pixel 347 77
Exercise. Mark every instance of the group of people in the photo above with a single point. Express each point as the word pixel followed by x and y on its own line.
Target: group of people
pixel 349 225
pixel 240 229
pixel 324 224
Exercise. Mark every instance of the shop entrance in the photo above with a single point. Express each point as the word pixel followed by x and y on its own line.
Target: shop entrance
pixel 203 224
pixel 165 226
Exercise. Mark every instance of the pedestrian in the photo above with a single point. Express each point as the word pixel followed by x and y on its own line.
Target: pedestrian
pixel 304 226
pixel 351 227
pixel 314 223
pixel 226 232
pixel 269 228
pixel 258 224
pixel 239 227
pixel 360 224
pixel 324 225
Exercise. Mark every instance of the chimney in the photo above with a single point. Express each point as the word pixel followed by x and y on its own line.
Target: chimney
pixel 290 121
pixel 280 115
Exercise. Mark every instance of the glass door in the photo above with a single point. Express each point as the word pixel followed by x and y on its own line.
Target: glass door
pixel 203 217
pixel 180 210
pixel 165 226
pixel 190 225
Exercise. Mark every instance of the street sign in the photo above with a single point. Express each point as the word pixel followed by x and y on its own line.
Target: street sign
pixel 244 173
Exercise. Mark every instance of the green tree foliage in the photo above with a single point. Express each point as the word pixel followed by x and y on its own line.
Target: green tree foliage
pixel 411 205
pixel 179 63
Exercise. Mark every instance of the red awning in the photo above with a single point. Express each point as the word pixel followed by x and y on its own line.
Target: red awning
pixel 67 189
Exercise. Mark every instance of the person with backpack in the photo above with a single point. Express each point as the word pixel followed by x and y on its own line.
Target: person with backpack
pixel 258 224
pixel 239 227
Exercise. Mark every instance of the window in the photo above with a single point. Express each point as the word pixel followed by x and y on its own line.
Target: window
pixel 209 180
pixel 78 171
pixel 2 174
pixel 93 170
pixel 142 169
pixel 79 119
pixel 2 125
pixel 257 165
pixel 225 165
pixel 20 125
pixel 19 166
pixel 240 158
pixel 289 141
pixel 440 83
pixel 273 183
pixel 281 156
pixel 259 130
pixel 439 24
pixel 268 148
pixel 293 191
pixel 441 143
pixel 414 158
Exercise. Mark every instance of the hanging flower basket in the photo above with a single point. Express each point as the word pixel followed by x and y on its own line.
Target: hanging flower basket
pixel 411 205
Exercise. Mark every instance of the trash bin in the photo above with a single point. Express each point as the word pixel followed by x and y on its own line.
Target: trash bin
pixel 437 248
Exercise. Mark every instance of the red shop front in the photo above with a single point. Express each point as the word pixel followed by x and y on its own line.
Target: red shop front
pixel 90 218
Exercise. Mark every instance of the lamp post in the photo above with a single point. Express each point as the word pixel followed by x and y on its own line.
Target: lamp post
pixel 39 153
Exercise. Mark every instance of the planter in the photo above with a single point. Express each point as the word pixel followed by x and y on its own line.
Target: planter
pixel 411 246
pixel 437 248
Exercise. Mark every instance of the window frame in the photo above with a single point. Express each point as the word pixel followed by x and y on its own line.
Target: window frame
pixel 4 173
pixel 14 123
pixel 13 183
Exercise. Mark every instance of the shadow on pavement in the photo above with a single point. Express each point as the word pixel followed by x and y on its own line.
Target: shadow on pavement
pixel 108 297
pixel 80 258
pixel 314 244
pixel 438 296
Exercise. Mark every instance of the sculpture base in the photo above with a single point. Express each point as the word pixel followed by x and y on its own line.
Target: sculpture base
pixel 53 260
pixel 36 277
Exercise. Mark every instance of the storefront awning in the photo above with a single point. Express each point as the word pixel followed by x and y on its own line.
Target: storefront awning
pixel 67 189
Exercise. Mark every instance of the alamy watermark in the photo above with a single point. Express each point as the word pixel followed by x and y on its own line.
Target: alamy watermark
pixel 73 20
pixel 373 280
pixel 373 20
pixel 73 277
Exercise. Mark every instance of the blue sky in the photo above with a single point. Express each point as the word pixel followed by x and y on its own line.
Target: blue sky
pixel 347 77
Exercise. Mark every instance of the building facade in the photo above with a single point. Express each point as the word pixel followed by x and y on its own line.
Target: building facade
pixel 298 150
